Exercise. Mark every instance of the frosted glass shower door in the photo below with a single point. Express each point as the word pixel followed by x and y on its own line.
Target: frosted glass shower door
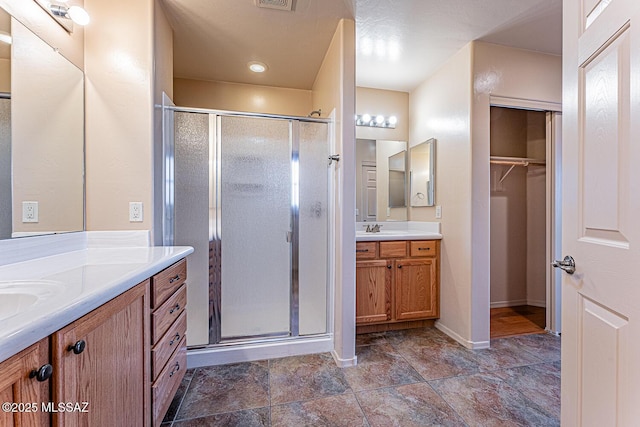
pixel 255 217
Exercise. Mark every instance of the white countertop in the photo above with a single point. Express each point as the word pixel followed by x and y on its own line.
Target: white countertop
pixel 83 280
pixel 399 230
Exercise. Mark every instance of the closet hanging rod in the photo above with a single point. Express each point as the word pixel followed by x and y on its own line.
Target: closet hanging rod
pixel 516 161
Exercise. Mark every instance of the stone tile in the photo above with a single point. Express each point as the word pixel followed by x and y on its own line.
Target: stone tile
pixel 226 388
pixel 247 418
pixel 305 377
pixel 504 353
pixel 484 400
pixel 438 359
pixel 543 346
pixel 539 383
pixel 379 366
pixel 371 339
pixel 418 336
pixel 177 399
pixel 407 406
pixel 338 411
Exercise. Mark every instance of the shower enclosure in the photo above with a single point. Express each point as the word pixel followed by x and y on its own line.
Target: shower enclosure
pixel 251 194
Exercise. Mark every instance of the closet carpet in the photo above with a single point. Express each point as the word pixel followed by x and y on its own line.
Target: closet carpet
pixel 416 377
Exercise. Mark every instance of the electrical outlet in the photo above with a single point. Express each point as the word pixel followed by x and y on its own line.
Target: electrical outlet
pixel 438 212
pixel 29 211
pixel 135 212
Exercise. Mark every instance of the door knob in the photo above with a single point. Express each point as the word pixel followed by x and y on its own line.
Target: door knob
pixel 567 264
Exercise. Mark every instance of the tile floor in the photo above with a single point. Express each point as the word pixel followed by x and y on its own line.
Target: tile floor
pixel 417 377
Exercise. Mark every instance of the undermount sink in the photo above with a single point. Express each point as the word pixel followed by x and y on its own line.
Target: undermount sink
pixel 20 295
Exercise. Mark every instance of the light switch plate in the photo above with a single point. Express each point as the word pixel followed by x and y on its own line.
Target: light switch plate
pixel 29 211
pixel 438 212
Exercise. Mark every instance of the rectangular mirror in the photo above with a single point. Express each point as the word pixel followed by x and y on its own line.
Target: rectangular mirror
pixel 422 173
pixel 41 136
pixel 397 180
pixel 375 177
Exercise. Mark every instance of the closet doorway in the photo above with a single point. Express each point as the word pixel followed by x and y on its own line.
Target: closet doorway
pixel 524 232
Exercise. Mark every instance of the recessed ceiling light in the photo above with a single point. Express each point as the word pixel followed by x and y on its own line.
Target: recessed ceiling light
pixel 257 67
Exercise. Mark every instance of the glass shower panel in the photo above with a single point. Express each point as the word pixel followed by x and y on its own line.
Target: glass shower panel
pixel 255 210
pixel 314 227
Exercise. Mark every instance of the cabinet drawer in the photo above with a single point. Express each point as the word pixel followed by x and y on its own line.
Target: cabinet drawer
pixel 366 250
pixel 168 381
pixel 393 249
pixel 166 282
pixel 163 317
pixel 423 248
pixel 162 351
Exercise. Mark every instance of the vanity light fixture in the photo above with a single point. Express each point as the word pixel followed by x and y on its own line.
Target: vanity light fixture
pixel 379 121
pixel 257 67
pixel 65 15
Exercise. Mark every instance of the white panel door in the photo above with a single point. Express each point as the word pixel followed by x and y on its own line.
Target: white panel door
pixel 369 194
pixel 601 207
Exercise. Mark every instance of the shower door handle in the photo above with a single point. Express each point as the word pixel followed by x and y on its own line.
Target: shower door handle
pixel 289 236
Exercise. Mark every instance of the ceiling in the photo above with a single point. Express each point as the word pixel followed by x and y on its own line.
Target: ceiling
pixel 399 43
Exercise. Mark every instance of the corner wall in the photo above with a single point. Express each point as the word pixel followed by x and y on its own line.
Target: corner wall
pixel 441 108
pixel 334 92
pixel 119 113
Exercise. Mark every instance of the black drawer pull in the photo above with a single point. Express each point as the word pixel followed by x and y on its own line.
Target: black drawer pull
pixel 175 369
pixel 424 249
pixel 362 250
pixel 43 373
pixel 78 347
pixel 176 338
pixel 174 279
pixel 177 307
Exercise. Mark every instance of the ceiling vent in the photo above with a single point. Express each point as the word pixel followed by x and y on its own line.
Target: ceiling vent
pixel 275 4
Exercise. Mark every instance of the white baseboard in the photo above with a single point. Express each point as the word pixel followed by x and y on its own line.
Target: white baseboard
pixel 517 302
pixel 512 303
pixel 473 345
pixel 344 363
pixel 221 355
pixel 537 303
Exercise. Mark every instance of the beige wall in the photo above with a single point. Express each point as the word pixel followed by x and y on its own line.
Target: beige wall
pixel 387 103
pixel 71 45
pixel 5 75
pixel 441 108
pixel 47 135
pixel 334 93
pixel 525 77
pixel 119 113
pixel 242 97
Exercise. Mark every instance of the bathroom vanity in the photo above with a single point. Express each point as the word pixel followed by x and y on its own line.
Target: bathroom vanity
pixel 397 279
pixel 109 350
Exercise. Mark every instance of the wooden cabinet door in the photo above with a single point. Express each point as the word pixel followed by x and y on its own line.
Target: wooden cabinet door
pixel 24 393
pixel 111 373
pixel 373 291
pixel 416 289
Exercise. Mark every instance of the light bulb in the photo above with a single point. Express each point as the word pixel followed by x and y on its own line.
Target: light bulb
pixel 366 118
pixel 393 120
pixel 379 120
pixel 78 15
pixel 257 67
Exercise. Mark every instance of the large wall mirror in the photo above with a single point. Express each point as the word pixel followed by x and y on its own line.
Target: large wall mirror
pixel 422 173
pixel 381 180
pixel 41 136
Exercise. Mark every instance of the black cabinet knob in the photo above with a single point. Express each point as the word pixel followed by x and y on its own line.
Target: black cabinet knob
pixel 399 266
pixel 43 373
pixel 78 347
pixel 389 267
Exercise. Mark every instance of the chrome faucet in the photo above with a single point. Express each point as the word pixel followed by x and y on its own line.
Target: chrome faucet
pixel 373 229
